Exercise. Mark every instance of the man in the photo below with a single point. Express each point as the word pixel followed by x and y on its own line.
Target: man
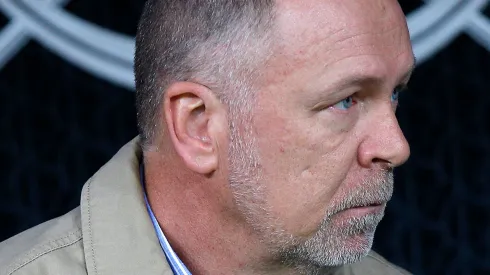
pixel 267 143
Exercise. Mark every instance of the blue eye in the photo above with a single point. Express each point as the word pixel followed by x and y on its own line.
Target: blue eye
pixel 345 104
pixel 396 93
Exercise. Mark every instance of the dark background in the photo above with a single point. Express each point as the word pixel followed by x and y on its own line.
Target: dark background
pixel 59 124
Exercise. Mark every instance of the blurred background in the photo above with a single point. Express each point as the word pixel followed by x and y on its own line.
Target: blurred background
pixel 66 106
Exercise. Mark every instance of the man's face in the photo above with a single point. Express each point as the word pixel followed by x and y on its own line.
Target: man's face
pixel 315 173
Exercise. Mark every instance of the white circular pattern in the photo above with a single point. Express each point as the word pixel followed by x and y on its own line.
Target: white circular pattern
pixel 109 55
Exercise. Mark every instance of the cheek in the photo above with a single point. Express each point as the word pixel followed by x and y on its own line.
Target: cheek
pixel 310 193
pixel 308 147
pixel 303 167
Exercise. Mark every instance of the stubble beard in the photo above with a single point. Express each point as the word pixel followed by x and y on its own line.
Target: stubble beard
pixel 346 241
pixel 334 244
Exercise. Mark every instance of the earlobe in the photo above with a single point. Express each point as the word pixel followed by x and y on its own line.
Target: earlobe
pixel 189 110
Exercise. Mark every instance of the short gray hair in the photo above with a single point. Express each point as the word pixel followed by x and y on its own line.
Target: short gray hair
pixel 217 43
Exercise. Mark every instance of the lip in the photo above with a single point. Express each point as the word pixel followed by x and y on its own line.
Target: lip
pixel 361 211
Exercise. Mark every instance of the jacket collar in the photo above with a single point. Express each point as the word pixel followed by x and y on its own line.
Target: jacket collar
pixel 118 235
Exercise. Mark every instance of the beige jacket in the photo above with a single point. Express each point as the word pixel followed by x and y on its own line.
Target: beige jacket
pixel 111 233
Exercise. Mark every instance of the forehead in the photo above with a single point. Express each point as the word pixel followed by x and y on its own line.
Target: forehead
pixel 321 19
pixel 323 33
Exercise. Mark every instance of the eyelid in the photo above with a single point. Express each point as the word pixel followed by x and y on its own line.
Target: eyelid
pixel 330 103
pixel 402 87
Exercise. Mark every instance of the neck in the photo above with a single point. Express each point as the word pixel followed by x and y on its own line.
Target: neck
pixel 199 219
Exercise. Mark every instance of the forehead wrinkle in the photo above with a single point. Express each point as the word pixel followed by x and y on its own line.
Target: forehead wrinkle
pixel 329 18
pixel 343 49
pixel 370 35
pixel 316 42
pixel 297 44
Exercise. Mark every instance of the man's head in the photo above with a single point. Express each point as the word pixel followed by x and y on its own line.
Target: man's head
pixel 297 119
pixel 218 44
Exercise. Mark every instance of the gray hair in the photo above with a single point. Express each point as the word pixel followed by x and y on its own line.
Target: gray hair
pixel 217 43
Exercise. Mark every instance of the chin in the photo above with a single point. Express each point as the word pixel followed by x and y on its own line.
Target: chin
pixel 353 249
pixel 359 244
pixel 334 246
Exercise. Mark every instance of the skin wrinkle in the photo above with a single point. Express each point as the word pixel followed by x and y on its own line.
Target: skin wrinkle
pixel 288 176
pixel 329 39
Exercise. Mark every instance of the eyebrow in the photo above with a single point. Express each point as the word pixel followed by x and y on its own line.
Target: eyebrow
pixel 363 79
pixel 407 75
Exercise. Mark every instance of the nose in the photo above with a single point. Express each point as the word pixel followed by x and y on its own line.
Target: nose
pixel 383 143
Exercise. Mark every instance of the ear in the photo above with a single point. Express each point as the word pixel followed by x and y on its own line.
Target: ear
pixel 196 121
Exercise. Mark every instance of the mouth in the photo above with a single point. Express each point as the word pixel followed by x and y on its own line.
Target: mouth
pixel 373 204
pixel 372 208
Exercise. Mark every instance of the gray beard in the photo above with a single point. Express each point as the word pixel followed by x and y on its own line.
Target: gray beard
pixel 332 245
pixel 348 242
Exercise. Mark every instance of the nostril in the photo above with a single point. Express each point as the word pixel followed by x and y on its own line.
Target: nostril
pixel 383 163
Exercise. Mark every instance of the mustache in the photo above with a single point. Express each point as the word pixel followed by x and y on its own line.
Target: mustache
pixel 375 190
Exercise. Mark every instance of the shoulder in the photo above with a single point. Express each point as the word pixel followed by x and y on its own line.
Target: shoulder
pixel 373 264
pixel 54 247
